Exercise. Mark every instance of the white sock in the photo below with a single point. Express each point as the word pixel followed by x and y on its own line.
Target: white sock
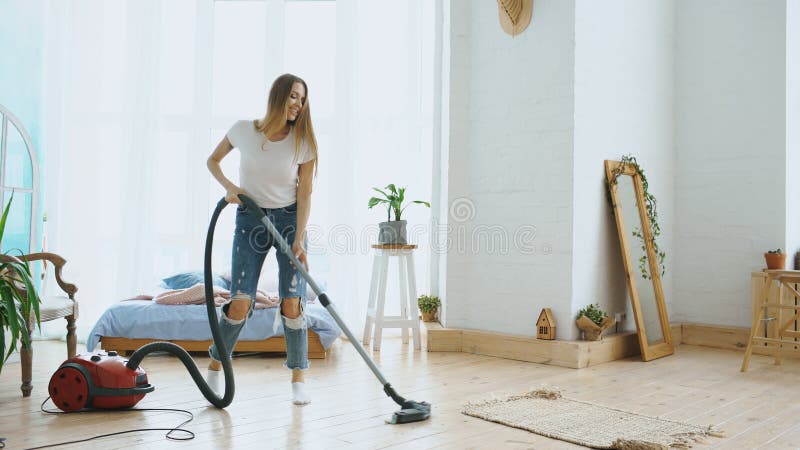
pixel 299 395
pixel 214 380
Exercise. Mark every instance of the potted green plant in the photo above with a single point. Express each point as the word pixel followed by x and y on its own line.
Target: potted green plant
pixel 593 321
pixel 776 259
pixel 19 301
pixel 392 231
pixel 429 307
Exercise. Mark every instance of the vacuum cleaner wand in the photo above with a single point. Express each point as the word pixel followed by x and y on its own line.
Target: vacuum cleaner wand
pixel 411 411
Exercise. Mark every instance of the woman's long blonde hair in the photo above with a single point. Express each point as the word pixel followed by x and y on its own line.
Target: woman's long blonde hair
pixel 276 117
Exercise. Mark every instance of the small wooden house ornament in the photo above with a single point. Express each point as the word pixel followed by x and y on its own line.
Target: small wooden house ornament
pixel 546 325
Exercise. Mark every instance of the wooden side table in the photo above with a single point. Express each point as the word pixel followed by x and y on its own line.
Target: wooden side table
pixel 780 333
pixel 409 313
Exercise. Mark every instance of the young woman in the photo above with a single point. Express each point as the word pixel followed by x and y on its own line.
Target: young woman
pixel 278 161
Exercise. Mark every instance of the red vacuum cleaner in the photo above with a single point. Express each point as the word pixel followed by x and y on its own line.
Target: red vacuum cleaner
pixel 109 381
pixel 97 380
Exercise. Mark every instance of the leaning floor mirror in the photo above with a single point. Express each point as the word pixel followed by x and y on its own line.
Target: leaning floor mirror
pixel 641 257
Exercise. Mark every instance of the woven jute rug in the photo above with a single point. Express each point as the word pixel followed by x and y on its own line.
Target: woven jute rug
pixel 547 413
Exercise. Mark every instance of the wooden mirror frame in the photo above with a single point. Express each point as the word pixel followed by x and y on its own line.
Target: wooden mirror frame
pixel 666 348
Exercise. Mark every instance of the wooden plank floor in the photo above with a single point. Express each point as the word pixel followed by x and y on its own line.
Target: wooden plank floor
pixel 758 409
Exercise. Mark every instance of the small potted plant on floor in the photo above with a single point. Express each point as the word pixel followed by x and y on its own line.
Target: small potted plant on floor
pixel 776 259
pixel 429 307
pixel 19 301
pixel 592 321
pixel 392 231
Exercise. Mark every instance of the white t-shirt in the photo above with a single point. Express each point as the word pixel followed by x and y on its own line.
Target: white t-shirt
pixel 267 169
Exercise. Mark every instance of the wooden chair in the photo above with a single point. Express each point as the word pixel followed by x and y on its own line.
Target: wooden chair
pixel 785 336
pixel 27 188
pixel 52 307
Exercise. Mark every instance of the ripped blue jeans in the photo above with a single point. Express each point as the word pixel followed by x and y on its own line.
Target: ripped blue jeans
pixel 251 244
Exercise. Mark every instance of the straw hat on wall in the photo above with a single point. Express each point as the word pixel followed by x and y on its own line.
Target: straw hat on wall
pixel 515 15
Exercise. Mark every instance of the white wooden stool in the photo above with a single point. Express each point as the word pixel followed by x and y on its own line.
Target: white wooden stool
pixel 409 313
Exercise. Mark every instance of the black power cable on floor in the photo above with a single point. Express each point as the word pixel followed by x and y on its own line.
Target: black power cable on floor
pixel 188 434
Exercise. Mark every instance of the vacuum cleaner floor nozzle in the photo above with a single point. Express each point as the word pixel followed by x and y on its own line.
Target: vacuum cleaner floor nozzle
pixel 412 412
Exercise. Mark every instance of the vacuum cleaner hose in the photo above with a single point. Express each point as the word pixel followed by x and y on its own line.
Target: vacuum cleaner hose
pixel 186 359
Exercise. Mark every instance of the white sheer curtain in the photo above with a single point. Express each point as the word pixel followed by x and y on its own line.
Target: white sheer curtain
pixel 137 93
pixel 384 121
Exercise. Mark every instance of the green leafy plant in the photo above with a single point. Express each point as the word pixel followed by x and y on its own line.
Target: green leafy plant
pixel 775 252
pixel 428 304
pixel 19 300
pixel 652 215
pixel 593 312
pixel 393 200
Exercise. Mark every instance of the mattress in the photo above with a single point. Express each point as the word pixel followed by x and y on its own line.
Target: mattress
pixel 144 319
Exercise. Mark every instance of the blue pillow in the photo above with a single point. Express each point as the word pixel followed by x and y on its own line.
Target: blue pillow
pixel 189 279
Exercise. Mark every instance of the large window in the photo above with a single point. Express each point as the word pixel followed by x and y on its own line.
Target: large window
pixel 256 41
pixel 140 94
pixel 17 179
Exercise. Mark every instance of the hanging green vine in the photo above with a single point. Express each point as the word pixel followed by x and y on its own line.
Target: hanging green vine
pixel 652 215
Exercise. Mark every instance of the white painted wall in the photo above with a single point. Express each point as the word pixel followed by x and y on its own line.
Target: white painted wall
pixel 792 130
pixel 510 165
pixel 696 90
pixel 730 141
pixel 623 105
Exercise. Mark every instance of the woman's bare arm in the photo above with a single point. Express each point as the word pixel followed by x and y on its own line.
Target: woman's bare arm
pixel 304 186
pixel 213 163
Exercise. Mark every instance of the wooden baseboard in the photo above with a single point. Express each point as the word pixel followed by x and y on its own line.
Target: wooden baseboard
pixel 729 338
pixel 677 333
pixel 716 336
pixel 573 354
pixel 580 354
pixel 442 339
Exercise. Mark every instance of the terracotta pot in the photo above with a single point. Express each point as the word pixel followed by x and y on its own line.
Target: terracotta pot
pixel 775 260
pixel 429 316
pixel 592 331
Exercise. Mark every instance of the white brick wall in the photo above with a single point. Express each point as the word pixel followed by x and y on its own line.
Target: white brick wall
pixel 696 90
pixel 623 105
pixel 511 110
pixel 793 129
pixel 730 150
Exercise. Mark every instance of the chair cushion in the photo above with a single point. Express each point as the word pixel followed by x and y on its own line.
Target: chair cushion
pixel 56 307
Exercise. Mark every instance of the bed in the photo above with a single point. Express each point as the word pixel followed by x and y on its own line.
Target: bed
pixel 129 324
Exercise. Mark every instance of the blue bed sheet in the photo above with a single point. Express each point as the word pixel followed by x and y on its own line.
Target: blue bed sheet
pixel 144 319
